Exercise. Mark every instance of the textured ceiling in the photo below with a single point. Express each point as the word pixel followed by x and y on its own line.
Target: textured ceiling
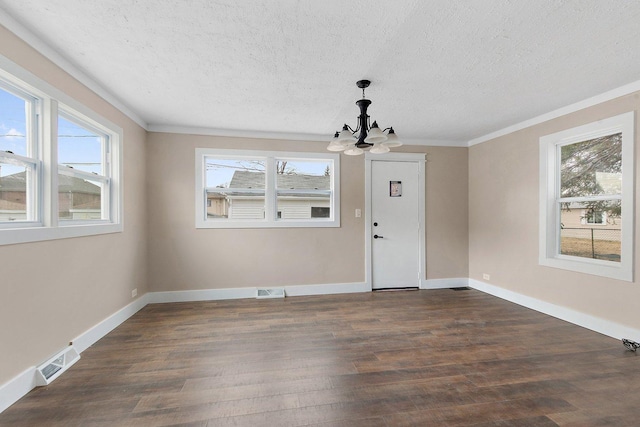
pixel 441 70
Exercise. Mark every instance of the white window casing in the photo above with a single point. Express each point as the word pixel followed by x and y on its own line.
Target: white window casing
pixel 42 190
pixel 550 226
pixel 268 207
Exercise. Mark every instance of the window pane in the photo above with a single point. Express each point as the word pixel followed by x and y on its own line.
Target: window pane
pixel 13 123
pixel 235 174
pixel 78 147
pixel 592 167
pixel 79 199
pixel 303 175
pixel 317 212
pixel 300 184
pixel 13 192
pixel 591 229
pixel 226 173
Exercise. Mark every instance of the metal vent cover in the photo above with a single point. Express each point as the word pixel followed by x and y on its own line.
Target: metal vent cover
pixel 54 367
pixel 270 293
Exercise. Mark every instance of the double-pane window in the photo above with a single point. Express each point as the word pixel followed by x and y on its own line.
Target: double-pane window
pixel 59 164
pixel 587 198
pixel 247 189
pixel 590 197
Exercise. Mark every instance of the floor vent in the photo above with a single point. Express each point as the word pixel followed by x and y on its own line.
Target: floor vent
pixel 464 288
pixel 270 293
pixel 54 367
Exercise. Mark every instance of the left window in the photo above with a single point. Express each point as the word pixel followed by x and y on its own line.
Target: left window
pixel 59 163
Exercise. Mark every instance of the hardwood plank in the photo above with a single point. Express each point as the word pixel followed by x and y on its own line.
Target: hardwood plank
pixel 437 358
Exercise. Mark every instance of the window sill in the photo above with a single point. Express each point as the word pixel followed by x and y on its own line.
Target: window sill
pixel 11 236
pixel 594 267
pixel 268 224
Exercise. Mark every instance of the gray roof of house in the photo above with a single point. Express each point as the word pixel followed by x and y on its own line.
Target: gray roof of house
pixel 248 179
pixel 17 182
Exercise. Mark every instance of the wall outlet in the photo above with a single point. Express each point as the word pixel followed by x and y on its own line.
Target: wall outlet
pixel 358 213
pixel 134 293
pixel 486 276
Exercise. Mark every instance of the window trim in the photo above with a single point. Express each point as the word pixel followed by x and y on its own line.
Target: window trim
pixel 50 100
pixel 270 191
pixel 549 232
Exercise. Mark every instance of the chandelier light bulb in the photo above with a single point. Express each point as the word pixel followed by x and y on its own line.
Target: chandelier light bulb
pixel 353 151
pixel 375 135
pixel 345 135
pixel 379 148
pixel 392 139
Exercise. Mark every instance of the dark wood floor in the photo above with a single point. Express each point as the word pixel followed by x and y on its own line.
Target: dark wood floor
pixel 421 358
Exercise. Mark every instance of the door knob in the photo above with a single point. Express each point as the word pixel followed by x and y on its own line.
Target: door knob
pixel 375 236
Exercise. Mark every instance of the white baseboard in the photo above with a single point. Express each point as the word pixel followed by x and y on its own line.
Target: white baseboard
pixel 603 326
pixel 201 295
pixel 460 282
pixel 92 335
pixel 239 293
pixel 14 389
pixel 328 289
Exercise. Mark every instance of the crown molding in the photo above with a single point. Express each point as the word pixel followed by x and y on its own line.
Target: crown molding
pixel 236 133
pixel 572 108
pixel 58 59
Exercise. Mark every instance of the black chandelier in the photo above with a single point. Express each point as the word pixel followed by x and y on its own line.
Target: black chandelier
pixel 368 136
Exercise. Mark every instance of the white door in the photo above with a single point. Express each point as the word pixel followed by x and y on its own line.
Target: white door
pixel 395 224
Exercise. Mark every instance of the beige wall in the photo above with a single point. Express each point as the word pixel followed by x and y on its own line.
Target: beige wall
pixel 182 257
pixel 503 222
pixel 447 212
pixel 50 292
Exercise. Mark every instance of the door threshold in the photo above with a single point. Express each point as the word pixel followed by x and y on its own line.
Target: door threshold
pixel 408 288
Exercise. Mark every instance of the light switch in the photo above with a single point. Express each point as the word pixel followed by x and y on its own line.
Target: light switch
pixel 358 213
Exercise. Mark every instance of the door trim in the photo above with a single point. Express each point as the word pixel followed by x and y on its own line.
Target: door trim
pixel 420 159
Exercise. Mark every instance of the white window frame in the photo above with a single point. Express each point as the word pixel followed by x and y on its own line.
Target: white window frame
pixel 549 238
pixel 44 154
pixel 271 219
